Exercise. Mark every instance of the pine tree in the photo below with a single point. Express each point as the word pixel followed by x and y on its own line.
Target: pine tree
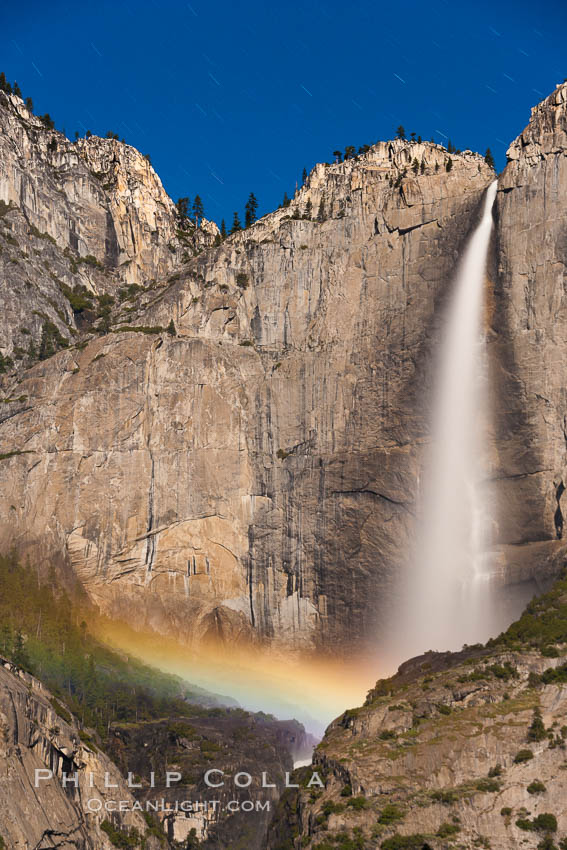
pixel 488 158
pixel 4 84
pixel 29 104
pixel 350 151
pixel 198 209
pixel 104 324
pixel 400 132
pixel 412 135
pixel 236 226
pixel 183 205
pixel 17 90
pixel 171 328
pixel 419 140
pixel 338 156
pixel 223 229
pixel 304 177
pixel 286 201
pixel 6 639
pixel 46 347
pixel 192 840
pixel 422 167
pixel 537 731
pixel 321 212
pixel 250 210
pixel 308 210
pixel 415 165
pixel 20 655
pixel 90 684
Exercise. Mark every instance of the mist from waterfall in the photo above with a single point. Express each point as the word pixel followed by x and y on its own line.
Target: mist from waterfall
pixel 448 599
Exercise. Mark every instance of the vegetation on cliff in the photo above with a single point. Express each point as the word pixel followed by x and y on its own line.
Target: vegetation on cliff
pixel 543 625
pixel 462 749
pixel 145 720
pixel 44 632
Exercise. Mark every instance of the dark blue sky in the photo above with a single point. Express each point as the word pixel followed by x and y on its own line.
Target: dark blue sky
pixel 229 98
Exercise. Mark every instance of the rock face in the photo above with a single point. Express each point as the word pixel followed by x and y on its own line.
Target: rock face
pixel 529 323
pixel 33 736
pixel 38 733
pixel 253 477
pixel 441 755
pixel 91 213
pixel 229 743
pixel 457 749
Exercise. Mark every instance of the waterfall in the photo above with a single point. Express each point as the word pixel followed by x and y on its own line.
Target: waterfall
pixel 448 598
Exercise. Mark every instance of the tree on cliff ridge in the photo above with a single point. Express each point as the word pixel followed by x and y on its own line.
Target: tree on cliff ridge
pixel 4 84
pixel 250 210
pixel 183 205
pixel 198 209
pixel 47 121
pixel 236 226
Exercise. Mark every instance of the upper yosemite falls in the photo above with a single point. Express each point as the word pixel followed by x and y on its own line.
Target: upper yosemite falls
pixel 453 539
pixel 254 477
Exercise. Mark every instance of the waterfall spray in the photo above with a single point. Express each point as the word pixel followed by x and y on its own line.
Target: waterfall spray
pixel 448 598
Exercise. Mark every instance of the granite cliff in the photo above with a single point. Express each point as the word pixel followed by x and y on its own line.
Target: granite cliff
pixel 457 750
pixel 89 737
pixel 60 786
pixel 251 475
pixel 78 219
pixel 35 737
pixel 529 333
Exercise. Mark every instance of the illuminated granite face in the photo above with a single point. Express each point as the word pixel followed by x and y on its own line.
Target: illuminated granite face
pixel 250 477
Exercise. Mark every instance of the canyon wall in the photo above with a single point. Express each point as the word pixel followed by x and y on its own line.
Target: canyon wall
pixel 528 340
pixel 456 750
pixel 91 213
pixel 252 474
pixel 35 737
